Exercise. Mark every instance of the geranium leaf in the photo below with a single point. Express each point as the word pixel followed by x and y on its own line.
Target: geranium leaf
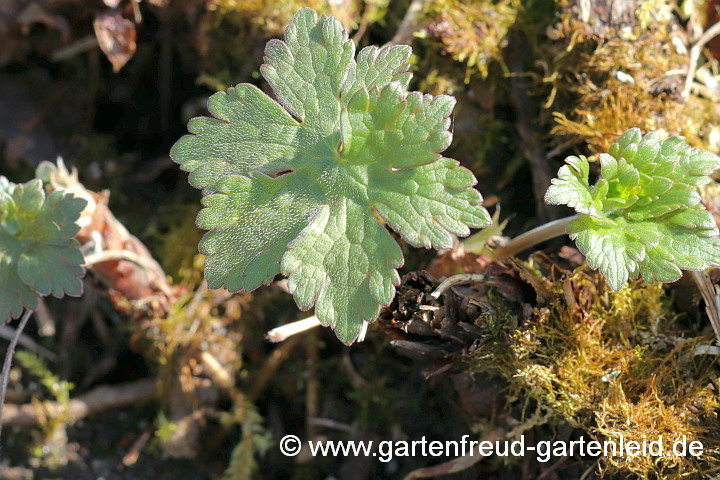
pixel 645 218
pixel 38 251
pixel 303 190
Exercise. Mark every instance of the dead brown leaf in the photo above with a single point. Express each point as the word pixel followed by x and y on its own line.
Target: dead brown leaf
pixel 116 36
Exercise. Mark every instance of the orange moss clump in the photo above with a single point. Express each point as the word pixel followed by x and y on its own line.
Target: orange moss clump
pixel 608 363
pixel 472 32
pixel 602 76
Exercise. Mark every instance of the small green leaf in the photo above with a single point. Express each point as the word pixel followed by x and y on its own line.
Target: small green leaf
pixel 38 251
pixel 648 220
pixel 303 190
pixel 572 187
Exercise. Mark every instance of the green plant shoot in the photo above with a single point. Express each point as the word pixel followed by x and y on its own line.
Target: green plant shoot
pixel 302 187
pixel 643 217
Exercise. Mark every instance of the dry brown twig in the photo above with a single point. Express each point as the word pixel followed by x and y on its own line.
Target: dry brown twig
pixel 406 30
pixel 133 454
pixel 458 464
pixel 695 52
pixel 8 332
pixel 271 365
pixel 711 297
pixel 110 255
pixel 97 400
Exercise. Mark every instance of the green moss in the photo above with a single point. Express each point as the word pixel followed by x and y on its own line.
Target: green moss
pixel 175 238
pixel 49 447
pixel 255 440
pixel 592 358
pixel 651 12
pixel 234 32
pixel 600 79
pixel 622 84
pixel 472 32
pixel 272 16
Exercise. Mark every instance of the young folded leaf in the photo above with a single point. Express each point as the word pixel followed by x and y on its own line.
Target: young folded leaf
pixel 38 250
pixel 643 216
pixel 300 190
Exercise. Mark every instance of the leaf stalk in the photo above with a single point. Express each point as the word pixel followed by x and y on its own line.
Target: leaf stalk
pixel 534 237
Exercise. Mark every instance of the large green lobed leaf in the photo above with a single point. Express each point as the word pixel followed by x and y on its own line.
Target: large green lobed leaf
pixel 643 216
pixel 38 250
pixel 300 187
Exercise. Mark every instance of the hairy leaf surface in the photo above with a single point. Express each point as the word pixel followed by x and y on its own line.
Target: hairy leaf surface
pixel 303 186
pixel 643 217
pixel 38 251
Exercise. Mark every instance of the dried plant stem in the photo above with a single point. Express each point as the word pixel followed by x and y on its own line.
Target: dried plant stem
pixel 458 464
pixel 405 31
pixel 271 365
pixel 67 52
pixel 8 332
pixel 111 255
pixel 535 236
pixel 217 372
pixel 283 332
pixel 149 264
pixel 8 361
pixel 457 280
pixel 695 52
pixel 99 399
pixel 711 297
